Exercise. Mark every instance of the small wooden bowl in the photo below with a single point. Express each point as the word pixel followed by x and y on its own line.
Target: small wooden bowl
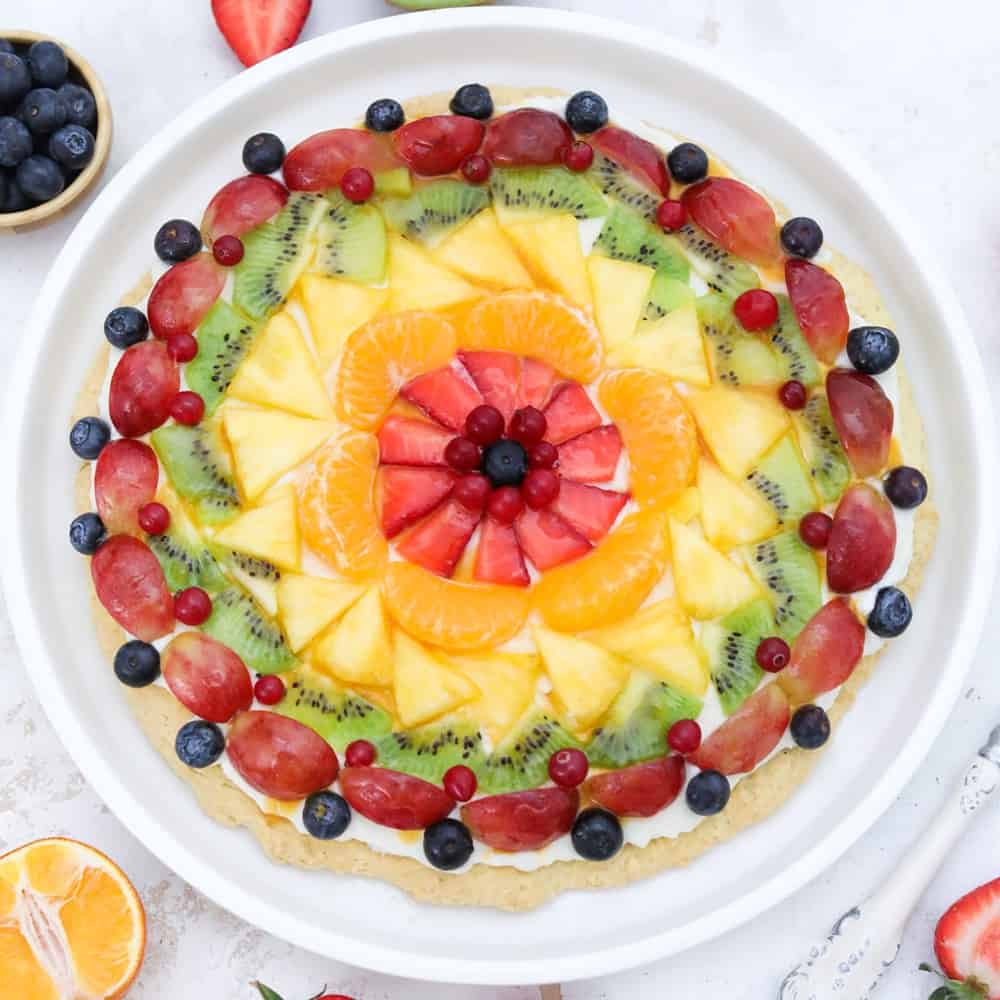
pixel 81 71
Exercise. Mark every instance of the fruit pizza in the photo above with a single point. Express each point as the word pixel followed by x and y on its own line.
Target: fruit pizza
pixel 496 497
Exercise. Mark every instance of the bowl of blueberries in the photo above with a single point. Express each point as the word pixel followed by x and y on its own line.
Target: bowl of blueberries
pixel 55 128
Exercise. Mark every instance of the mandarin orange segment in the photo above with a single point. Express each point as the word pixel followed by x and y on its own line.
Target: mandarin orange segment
pixel 456 616
pixel 21 973
pixel 538 325
pixel 337 508
pixel 610 582
pixel 382 356
pixel 660 435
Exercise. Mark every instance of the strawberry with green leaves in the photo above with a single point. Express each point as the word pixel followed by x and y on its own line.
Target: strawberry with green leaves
pixel 268 994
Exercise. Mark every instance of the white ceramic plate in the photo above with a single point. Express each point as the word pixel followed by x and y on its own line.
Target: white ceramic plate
pixel 329 82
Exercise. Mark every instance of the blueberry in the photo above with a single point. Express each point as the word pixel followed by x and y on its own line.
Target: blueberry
pixel 177 240
pixel 597 835
pixel 43 111
pixel 40 178
pixel 505 463
pixel 872 349
pixel 326 815
pixel 48 64
pixel 15 141
pixel 905 487
pixel 14 199
pixel 586 112
pixel 473 101
pixel 263 153
pixel 80 105
pixel 126 326
pixel 137 663
pixel 88 437
pixel 199 743
pixel 15 79
pixel 688 163
pixel 802 237
pixel 86 533
pixel 810 727
pixel 72 146
pixel 447 844
pixel 6 46
pixel 385 115
pixel 892 613
pixel 707 793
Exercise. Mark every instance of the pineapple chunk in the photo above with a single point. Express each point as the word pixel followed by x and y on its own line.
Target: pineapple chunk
pixel 280 372
pixel 585 677
pixel 621 289
pixel 731 514
pixel 708 584
pixel 423 686
pixel 307 604
pixel 270 531
pixel 417 281
pixel 336 309
pixel 480 252
pixel 685 505
pixel 659 639
pixel 507 682
pixel 738 426
pixel 267 443
pixel 551 249
pixel 672 345
pixel 357 649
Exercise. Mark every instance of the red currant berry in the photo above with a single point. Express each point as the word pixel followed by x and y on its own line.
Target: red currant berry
pixel 182 347
pixel 814 529
pixel 476 169
pixel 462 454
pixel 773 654
pixel 460 782
pixel 543 455
pixel 684 736
pixel 792 395
pixel 357 185
pixel 484 424
pixel 360 753
pixel 472 491
pixel 671 215
pixel 528 426
pixel 192 606
pixel 187 408
pixel 568 768
pixel 505 504
pixel 756 309
pixel 540 488
pixel 228 250
pixel 269 690
pixel 154 518
pixel 578 157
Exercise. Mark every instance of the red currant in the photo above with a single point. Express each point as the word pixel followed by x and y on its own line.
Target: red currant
pixel 192 606
pixel 154 518
pixel 187 407
pixel 228 250
pixel 671 215
pixel 792 395
pixel 528 426
pixel 472 491
pixel 505 504
pixel 684 736
pixel 756 309
pixel 773 654
pixel 814 529
pixel 540 488
pixel 182 347
pixel 476 168
pixel 543 455
pixel 484 424
pixel 462 454
pixel 568 768
pixel 460 782
pixel 357 185
pixel 578 157
pixel 360 753
pixel 269 690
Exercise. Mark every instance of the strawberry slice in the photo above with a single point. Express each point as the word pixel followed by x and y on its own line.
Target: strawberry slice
pixel 320 162
pixel 143 386
pixel 445 395
pixel 527 137
pixel 591 457
pixel 862 413
pixel 825 653
pixel 589 509
pixel 639 157
pixel 438 542
pixel 394 799
pixel 497 375
pixel 735 216
pixel 125 478
pixel 547 540
pixel 498 558
pixel 403 441
pixel 256 30
pixel 570 413
pixel 537 379
pixel 130 584
pixel 184 294
pixel 862 540
pixel 242 205
pixel 820 307
pixel 639 790
pixel 967 941
pixel 206 677
pixel 438 144
pixel 522 821
pixel 747 736
pixel 407 494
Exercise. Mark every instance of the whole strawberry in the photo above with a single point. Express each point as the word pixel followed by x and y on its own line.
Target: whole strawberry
pixel 268 994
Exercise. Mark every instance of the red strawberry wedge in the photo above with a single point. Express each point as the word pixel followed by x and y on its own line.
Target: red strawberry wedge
pixel 498 558
pixel 862 540
pixel 437 543
pixel 407 494
pixel 496 374
pixel 591 457
pixel 547 540
pixel 967 940
pixel 820 307
pixel 640 158
pixel 536 383
pixel 570 413
pixel 256 29
pixel 736 217
pixel 522 821
pixel 748 735
pixel 445 395
pixel 402 441
pixel 589 509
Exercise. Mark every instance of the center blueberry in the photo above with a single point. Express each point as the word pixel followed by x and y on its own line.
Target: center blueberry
pixel 505 463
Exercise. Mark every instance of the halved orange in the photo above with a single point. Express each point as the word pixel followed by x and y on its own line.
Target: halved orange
pixel 71 923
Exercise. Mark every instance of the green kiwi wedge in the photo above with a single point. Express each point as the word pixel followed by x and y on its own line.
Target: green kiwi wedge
pixel 351 242
pixel 428 751
pixel 784 482
pixel 240 623
pixel 821 448
pixel 521 759
pixel 544 189
pixel 737 357
pixel 731 645
pixel 614 180
pixel 720 270
pixel 627 236
pixel 434 210
pixel 665 295
pixel 788 568
pixel 184 557
pixel 258 576
pixel 224 339
pixel 795 356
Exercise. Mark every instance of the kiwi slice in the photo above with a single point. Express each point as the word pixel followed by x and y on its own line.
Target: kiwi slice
pixel 638 720
pixel 721 271
pixel 258 576
pixel 434 210
pixel 738 357
pixel 351 242
pixel 240 623
pixel 782 480
pixel 613 179
pixel 521 759
pixel 731 644
pixel 627 236
pixel 338 715
pixel 665 295
pixel 545 189
pixel 275 254
pixel 198 466
pixel 788 569
pixel 791 348
pixel 821 447
pixel 224 339
pixel 429 751
pixel 185 558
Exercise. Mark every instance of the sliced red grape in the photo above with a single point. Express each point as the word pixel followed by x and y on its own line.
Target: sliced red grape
pixel 527 137
pixel 820 307
pixel 862 540
pixel 125 479
pixel 639 790
pixel 748 735
pixel 242 205
pixel 438 144
pixel 184 294
pixel 143 386
pixel 206 677
pixel 522 821
pixel 394 799
pixel 130 585
pixel 320 162
pixel 863 416
pixel 736 217
pixel 639 157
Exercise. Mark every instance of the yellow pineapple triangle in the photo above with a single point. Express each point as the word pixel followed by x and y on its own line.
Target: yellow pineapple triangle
pixel 621 289
pixel 551 249
pixel 270 531
pixel 308 604
pixel 507 683
pixel 672 345
pixel 423 686
pixel 358 648
pixel 481 252
pixel 731 514
pixel 417 281
pixel 336 309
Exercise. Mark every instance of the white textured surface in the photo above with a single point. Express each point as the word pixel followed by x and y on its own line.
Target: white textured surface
pixel 918 103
